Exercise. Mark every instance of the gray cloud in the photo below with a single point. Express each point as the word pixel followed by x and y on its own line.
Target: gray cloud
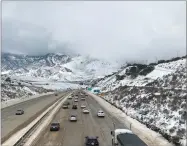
pixel 109 30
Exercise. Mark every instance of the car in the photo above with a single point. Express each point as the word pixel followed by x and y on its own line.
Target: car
pixel 83 98
pixel 83 106
pixel 85 111
pixel 76 97
pixel 70 97
pixel 91 141
pixel 74 107
pixel 55 127
pixel 75 100
pixel 65 105
pixel 73 118
pixel 100 113
pixel 56 94
pixel 19 112
pixel 67 102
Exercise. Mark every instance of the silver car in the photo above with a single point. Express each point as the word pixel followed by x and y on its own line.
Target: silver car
pixel 73 118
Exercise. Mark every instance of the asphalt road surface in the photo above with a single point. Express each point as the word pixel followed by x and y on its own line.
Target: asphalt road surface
pixel 74 133
pixel 9 121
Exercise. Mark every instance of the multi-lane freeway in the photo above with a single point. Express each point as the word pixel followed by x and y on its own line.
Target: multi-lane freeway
pixel 74 133
pixel 11 123
pixel 71 133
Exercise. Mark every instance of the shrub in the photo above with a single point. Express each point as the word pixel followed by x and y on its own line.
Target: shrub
pixel 133 70
pixel 147 70
pixel 153 64
pixel 118 77
pixel 161 61
pixel 8 79
pixel 176 58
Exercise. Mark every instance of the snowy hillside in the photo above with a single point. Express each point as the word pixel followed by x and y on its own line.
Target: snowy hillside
pixel 12 88
pixel 163 111
pixel 156 98
pixel 148 76
pixel 55 67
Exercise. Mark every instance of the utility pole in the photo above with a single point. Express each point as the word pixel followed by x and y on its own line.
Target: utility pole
pixel 156 59
pixel 178 53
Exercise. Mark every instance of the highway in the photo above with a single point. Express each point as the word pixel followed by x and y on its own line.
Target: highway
pixel 73 133
pixel 10 122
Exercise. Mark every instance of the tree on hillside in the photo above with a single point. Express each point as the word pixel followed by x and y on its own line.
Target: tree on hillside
pixel 8 79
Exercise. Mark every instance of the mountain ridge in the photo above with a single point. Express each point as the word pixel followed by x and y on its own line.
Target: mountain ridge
pixel 55 66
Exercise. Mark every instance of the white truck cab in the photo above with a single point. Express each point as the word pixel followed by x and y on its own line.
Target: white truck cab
pixel 125 137
pixel 115 133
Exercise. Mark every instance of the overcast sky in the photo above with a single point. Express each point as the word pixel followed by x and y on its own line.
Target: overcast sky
pixel 108 29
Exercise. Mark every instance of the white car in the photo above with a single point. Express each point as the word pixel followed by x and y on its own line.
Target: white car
pixel 75 100
pixel 73 118
pixel 83 98
pixel 76 97
pixel 83 106
pixel 101 114
pixel 85 111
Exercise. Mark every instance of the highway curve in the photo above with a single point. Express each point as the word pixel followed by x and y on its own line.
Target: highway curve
pixel 10 121
pixel 73 133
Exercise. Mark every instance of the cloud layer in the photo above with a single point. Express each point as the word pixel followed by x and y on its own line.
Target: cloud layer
pixel 110 30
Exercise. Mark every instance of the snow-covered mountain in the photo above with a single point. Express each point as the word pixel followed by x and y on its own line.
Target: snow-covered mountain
pixel 55 67
pixel 155 95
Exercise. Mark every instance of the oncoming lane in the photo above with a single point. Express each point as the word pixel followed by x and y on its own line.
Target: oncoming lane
pixel 74 133
pixel 32 108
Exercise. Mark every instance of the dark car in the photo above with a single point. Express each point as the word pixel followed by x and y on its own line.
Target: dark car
pixel 56 94
pixel 65 105
pixel 55 127
pixel 19 112
pixel 91 141
pixel 74 107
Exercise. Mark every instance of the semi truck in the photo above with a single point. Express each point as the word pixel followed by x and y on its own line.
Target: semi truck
pixel 125 137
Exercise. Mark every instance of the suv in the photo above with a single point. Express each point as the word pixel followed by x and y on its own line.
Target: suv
pixel 91 141
pixel 74 107
pixel 55 127
pixel 19 112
